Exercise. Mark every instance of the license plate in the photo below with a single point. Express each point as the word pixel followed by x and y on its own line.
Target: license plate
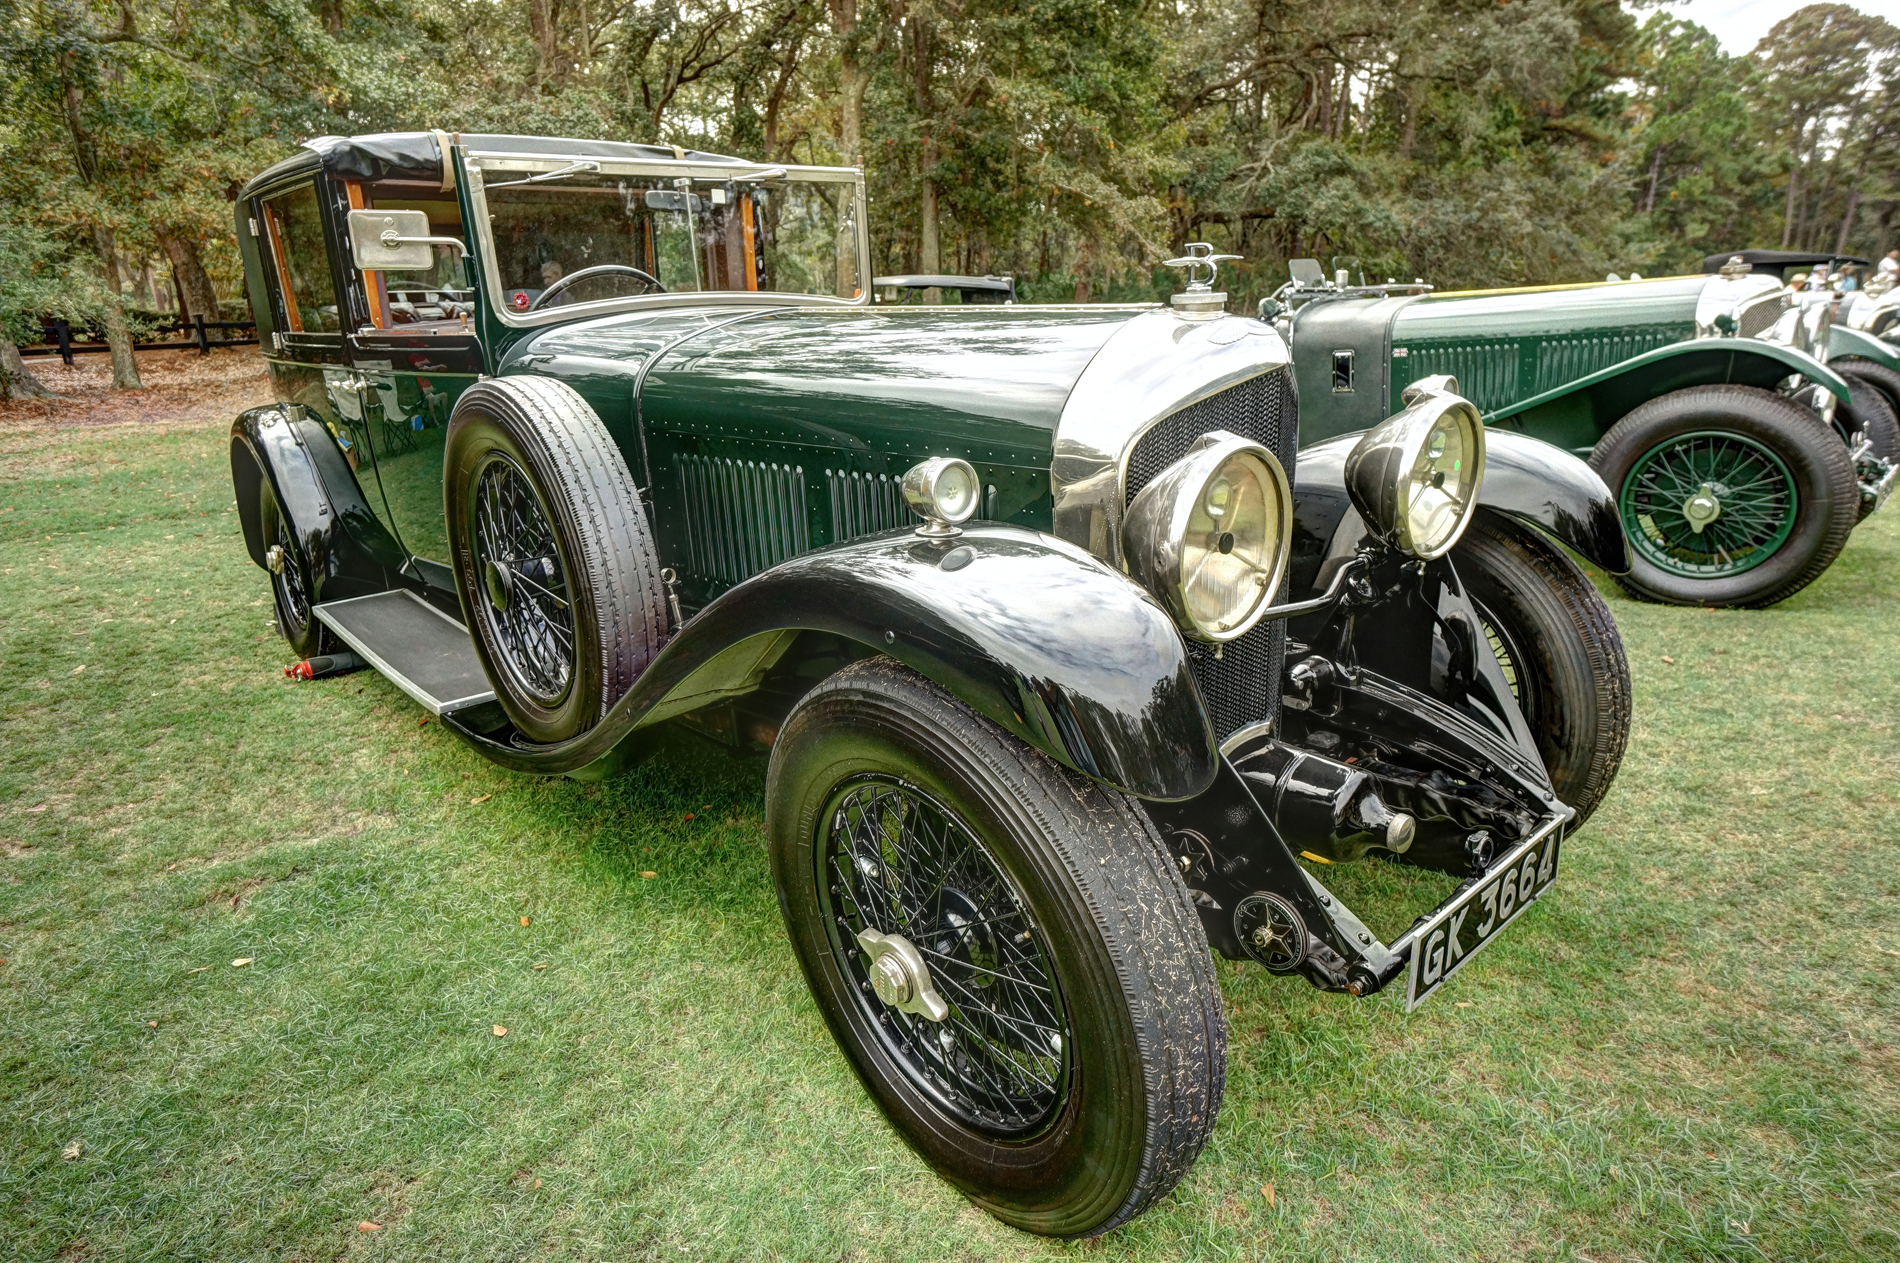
pixel 1461 928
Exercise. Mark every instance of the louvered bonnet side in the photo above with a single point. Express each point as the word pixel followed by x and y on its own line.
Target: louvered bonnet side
pixel 1242 686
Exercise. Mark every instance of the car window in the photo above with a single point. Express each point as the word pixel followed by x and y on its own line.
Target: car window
pixel 637 235
pixel 436 301
pixel 302 262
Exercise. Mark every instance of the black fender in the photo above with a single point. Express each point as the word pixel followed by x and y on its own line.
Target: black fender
pixel 350 552
pixel 1044 639
pixel 1524 478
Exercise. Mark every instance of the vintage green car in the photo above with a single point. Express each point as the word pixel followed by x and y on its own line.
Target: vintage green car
pixel 1740 461
pixel 1843 329
pixel 1068 660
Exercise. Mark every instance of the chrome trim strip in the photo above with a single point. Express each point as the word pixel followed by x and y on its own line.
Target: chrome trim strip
pixel 401 681
pixel 1148 369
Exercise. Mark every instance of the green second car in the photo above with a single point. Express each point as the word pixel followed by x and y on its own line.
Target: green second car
pixel 1738 460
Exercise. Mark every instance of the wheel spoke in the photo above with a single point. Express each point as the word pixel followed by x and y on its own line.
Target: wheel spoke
pixel 896 861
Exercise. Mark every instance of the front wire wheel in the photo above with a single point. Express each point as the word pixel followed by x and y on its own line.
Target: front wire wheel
pixel 1730 496
pixel 1001 947
pixel 1708 504
pixel 528 610
pixel 895 861
pixel 1557 644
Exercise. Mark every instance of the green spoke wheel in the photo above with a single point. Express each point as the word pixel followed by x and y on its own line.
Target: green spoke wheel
pixel 1708 504
pixel 1730 495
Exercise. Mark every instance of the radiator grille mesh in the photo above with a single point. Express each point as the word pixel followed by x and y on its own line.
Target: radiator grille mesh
pixel 1242 686
pixel 741 516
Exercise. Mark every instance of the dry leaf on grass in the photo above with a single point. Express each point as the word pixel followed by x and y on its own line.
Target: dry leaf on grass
pixel 151 1023
pixel 76 670
pixel 1671 661
pixel 242 961
pixel 72 1150
pixel 500 1031
pixel 484 798
pixel 1266 1191
pixel 368 1226
pixel 200 969
pixel 542 965
pixel 31 810
pixel 524 920
pixel 686 817
pixel 649 875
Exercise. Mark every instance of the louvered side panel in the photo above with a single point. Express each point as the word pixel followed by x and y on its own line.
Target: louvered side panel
pixel 864 504
pixel 1486 372
pixel 1563 360
pixel 741 517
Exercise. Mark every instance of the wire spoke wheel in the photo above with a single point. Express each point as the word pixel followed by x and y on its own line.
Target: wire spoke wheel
pixel 894 860
pixel 293 598
pixel 528 609
pixel 1708 504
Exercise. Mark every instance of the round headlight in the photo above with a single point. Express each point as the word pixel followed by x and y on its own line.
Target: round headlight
pixel 1414 477
pixel 943 491
pixel 1209 535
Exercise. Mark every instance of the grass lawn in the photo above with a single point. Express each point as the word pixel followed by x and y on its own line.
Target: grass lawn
pixel 1687 1052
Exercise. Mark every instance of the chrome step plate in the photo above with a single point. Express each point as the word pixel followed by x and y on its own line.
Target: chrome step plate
pixel 422 651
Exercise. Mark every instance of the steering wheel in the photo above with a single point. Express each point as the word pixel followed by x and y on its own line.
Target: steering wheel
pixel 540 300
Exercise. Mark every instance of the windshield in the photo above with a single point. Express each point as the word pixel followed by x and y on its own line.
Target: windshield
pixel 584 236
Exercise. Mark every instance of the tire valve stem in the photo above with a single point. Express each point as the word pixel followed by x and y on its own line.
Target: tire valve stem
pixel 670 578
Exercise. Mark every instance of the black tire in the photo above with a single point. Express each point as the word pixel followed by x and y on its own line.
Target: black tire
pixel 291 578
pixel 1135 1083
pixel 554 562
pixel 1557 642
pixel 1821 495
pixel 1875 408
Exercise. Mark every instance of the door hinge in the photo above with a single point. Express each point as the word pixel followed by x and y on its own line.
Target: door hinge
pixel 253 225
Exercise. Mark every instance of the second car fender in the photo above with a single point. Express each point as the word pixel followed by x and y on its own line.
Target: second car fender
pixel 1524 478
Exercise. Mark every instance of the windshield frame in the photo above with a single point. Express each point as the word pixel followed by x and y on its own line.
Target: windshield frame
pixel 478 164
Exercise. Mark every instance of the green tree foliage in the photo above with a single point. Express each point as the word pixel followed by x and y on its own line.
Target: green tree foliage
pixel 1074 143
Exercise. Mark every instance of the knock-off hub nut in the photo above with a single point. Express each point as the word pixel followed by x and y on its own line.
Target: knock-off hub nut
pixel 899 976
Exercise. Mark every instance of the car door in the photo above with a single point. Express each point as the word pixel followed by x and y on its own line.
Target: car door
pixel 306 355
pixel 414 350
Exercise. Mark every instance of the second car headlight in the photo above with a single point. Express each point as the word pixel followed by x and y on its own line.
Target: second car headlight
pixel 1209 535
pixel 1414 477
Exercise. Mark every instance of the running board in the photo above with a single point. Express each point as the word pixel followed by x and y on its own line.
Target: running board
pixel 423 651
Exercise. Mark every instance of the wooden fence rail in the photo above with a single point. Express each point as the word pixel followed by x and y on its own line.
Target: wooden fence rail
pixel 58 335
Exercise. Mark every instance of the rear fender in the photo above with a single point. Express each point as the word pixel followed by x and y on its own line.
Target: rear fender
pixel 1047 641
pixel 1579 412
pixel 1524 478
pixel 1844 343
pixel 349 551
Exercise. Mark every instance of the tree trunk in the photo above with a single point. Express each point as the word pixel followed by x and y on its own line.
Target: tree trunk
pixel 929 249
pixel 332 13
pixel 1847 220
pixel 541 36
pixel 1655 177
pixel 194 282
pixel 16 379
pixel 852 82
pixel 125 365
pixel 1794 182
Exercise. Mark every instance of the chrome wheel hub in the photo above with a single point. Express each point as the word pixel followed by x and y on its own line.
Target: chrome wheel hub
pixel 274 559
pixel 899 976
pixel 1703 507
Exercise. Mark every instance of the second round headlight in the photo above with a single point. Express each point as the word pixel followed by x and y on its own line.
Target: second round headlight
pixel 1415 476
pixel 1209 535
